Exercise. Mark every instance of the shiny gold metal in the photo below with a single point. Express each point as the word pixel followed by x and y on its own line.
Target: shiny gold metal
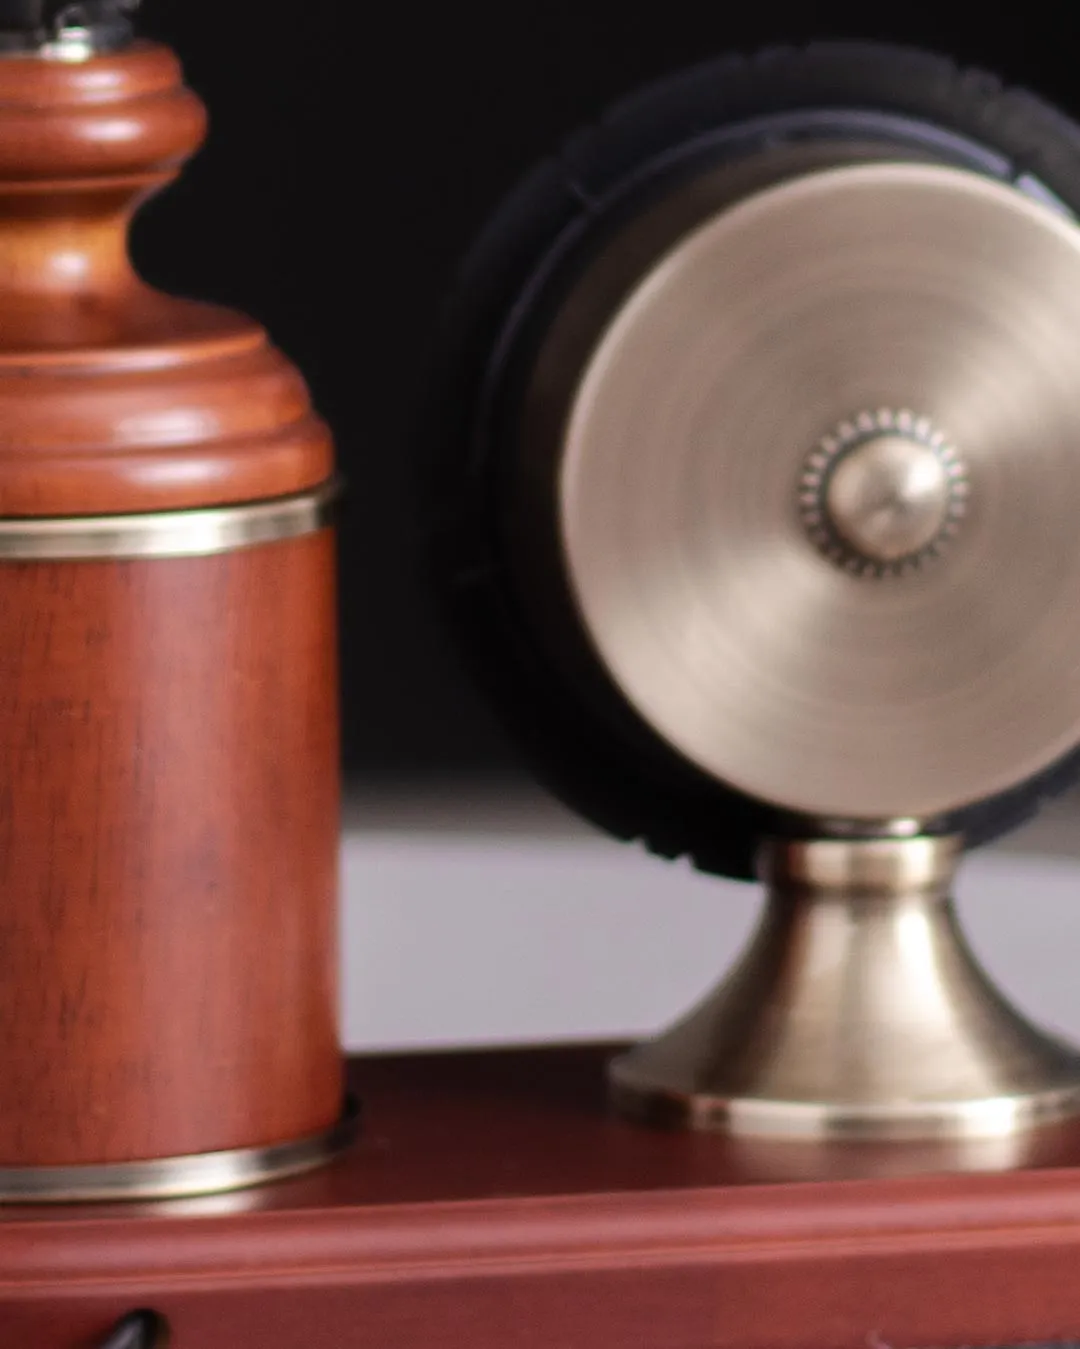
pixel 169 534
pixel 210 1173
pixel 857 1012
pixel 888 498
pixel 883 494
pixel 679 448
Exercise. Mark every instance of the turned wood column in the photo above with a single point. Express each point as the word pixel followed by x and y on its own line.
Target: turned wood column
pixel 168 701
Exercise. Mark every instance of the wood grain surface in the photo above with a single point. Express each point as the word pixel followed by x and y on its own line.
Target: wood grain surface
pixel 169 779
pixel 114 397
pixel 493 1201
pixel 168 845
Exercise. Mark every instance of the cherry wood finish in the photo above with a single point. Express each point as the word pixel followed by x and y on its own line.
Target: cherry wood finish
pixel 114 397
pixel 168 843
pixel 492 1201
pixel 168 728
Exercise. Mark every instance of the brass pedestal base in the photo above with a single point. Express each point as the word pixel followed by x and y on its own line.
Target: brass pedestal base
pixel 858 1012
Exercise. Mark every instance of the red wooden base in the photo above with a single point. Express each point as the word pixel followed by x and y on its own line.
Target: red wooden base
pixel 493 1204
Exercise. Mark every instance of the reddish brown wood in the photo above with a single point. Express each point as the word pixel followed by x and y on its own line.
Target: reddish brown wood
pixel 114 397
pixel 168 843
pixel 168 729
pixel 493 1202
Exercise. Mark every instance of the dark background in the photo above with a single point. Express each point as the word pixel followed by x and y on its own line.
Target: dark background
pixel 355 151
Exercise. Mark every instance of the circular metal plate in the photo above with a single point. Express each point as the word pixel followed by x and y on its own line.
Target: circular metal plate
pixel 880 286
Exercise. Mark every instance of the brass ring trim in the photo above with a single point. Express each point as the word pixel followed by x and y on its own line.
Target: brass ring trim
pixel 178 1177
pixel 169 534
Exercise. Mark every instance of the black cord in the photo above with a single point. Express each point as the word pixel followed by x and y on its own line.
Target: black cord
pixel 140 1330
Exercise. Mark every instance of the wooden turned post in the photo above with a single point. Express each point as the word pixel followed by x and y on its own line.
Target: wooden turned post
pixel 169 782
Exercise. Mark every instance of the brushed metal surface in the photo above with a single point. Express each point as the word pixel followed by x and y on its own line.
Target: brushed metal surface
pixel 888 498
pixel 883 494
pixel 880 285
pixel 857 1012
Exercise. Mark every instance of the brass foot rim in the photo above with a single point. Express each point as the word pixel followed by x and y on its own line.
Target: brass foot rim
pixel 179 1177
pixel 977 1119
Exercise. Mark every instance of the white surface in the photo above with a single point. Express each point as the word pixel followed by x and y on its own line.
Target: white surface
pixel 505 932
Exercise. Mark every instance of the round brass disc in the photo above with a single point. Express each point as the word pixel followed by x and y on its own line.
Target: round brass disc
pixel 841 292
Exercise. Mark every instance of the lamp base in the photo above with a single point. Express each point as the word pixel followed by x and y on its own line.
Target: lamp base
pixel 857 1012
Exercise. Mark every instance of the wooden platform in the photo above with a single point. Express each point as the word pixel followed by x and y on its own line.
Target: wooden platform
pixel 493 1204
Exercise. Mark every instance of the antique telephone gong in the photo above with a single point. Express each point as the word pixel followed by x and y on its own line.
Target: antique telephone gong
pixel 754 510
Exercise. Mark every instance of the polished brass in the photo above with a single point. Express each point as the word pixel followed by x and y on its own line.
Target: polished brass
pixel 883 494
pixel 857 1012
pixel 680 461
pixel 888 499
pixel 798 470
pixel 210 1173
pixel 168 534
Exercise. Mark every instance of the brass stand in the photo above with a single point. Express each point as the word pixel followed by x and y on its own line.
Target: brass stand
pixel 858 1011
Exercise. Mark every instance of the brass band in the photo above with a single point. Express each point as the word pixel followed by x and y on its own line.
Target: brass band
pixel 169 534
pixel 178 1177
